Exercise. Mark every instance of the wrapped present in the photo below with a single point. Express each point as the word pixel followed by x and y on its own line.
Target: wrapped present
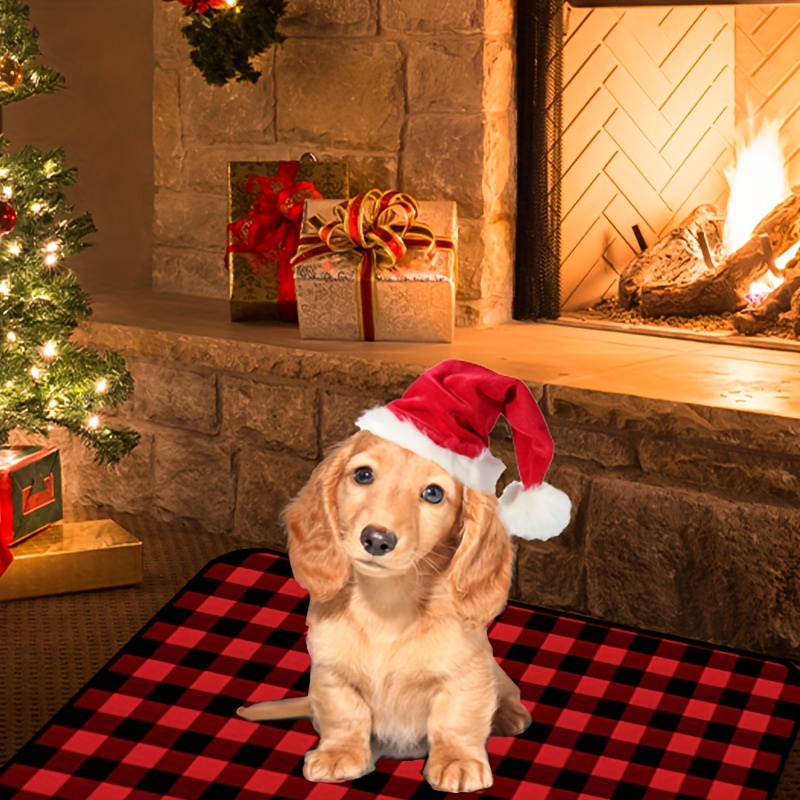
pixel 265 208
pixel 30 491
pixel 372 268
pixel 5 557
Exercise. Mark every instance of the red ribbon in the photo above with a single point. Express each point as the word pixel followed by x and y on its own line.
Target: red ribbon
pixel 270 231
pixel 6 557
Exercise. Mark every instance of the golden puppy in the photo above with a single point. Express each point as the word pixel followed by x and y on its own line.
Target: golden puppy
pixel 405 568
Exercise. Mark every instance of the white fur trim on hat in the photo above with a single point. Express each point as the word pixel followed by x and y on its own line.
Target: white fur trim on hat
pixel 540 512
pixel 478 473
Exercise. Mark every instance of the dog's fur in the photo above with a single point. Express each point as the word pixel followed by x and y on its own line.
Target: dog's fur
pixel 400 661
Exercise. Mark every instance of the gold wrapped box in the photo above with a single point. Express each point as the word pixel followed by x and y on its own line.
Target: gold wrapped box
pixel 73 557
pixel 413 301
pixel 265 206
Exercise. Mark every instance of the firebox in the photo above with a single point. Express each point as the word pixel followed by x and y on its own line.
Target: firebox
pixel 659 147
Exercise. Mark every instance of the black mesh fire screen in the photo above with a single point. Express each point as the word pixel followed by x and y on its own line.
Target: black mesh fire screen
pixel 539 84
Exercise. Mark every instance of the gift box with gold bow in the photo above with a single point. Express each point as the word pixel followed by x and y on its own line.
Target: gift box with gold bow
pixel 378 267
pixel 265 209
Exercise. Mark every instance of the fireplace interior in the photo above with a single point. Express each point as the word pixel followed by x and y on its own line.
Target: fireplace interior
pixel 652 116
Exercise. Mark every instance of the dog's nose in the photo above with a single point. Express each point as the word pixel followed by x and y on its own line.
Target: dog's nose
pixel 378 541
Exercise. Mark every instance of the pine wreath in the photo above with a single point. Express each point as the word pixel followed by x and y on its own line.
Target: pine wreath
pixel 225 35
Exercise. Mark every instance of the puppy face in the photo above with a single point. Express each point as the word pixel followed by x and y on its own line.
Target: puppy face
pixel 395 508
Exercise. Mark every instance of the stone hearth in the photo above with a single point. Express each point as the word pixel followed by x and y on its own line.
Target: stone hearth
pixel 682 458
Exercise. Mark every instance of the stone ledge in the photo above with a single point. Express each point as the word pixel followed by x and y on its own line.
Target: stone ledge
pixel 685 505
pixel 683 439
pixel 720 385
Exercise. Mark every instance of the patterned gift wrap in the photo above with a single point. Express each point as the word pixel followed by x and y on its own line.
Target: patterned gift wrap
pixel 412 300
pixel 30 491
pixel 617 712
pixel 265 206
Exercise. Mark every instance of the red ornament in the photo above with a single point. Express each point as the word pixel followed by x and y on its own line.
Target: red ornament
pixel 201 6
pixel 8 217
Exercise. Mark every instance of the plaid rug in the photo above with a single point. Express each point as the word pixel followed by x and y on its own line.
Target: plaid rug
pixel 617 712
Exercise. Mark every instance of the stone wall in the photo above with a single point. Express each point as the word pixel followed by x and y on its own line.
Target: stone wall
pixel 415 94
pixel 685 518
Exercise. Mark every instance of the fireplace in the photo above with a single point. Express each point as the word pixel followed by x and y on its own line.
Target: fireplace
pixel 636 117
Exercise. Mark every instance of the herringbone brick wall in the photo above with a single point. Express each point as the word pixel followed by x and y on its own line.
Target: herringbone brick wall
pixel 652 98
pixel 768 73
pixel 648 113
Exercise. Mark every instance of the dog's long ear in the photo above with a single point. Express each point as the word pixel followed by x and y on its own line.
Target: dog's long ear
pixel 480 572
pixel 318 560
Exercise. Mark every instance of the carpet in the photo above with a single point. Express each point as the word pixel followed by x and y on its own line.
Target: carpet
pixel 51 646
pixel 617 712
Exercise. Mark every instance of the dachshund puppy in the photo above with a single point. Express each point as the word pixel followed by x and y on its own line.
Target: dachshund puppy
pixel 405 567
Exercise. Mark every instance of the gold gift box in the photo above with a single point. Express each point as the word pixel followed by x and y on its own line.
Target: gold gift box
pixel 73 557
pixel 254 293
pixel 413 302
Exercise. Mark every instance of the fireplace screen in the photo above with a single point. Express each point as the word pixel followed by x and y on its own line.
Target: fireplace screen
pixel 667 143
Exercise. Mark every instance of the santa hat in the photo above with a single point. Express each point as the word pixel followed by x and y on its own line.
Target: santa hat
pixel 446 415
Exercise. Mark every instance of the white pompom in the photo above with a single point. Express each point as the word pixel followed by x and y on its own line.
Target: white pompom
pixel 540 512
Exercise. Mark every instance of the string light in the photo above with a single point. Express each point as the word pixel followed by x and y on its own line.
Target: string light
pixel 36 373
pixel 51 253
pixel 9 384
pixel 36 207
pixel 11 336
pixel 7 192
pixel 3 173
pixel 50 349
pixel 93 422
pixel 14 248
pixel 4 288
pixel 101 386
pixel 52 403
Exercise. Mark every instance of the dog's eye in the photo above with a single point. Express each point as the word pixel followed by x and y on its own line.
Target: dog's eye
pixel 433 493
pixel 363 475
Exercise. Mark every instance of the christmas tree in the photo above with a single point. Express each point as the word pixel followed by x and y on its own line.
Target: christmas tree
pixel 45 378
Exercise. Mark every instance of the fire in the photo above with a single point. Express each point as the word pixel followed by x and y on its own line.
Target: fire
pixel 760 289
pixel 758 182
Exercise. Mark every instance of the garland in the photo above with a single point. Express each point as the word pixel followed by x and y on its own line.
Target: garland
pixel 225 35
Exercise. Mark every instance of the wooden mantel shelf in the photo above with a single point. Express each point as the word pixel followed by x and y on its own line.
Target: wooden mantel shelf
pixel 704 373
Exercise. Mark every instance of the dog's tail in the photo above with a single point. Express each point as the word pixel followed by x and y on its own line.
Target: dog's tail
pixel 290 708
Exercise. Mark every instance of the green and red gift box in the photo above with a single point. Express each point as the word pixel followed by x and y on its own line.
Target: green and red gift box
pixel 30 493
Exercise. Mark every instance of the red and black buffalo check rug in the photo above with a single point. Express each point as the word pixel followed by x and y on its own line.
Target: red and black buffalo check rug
pixel 617 713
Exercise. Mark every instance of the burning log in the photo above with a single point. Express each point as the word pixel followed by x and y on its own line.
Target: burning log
pixel 677 257
pixel 725 289
pixel 795 313
pixel 754 320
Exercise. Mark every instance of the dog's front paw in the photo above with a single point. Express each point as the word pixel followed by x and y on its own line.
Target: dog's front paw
pixel 510 719
pixel 336 763
pixel 458 772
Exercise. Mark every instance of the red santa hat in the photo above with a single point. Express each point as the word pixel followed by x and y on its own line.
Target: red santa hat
pixel 446 415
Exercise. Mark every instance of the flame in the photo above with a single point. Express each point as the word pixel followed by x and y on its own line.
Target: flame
pixel 760 289
pixel 758 182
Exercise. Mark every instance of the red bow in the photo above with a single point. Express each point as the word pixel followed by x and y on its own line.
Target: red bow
pixel 271 229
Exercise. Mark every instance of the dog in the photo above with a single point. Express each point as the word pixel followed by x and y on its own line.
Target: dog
pixel 405 567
